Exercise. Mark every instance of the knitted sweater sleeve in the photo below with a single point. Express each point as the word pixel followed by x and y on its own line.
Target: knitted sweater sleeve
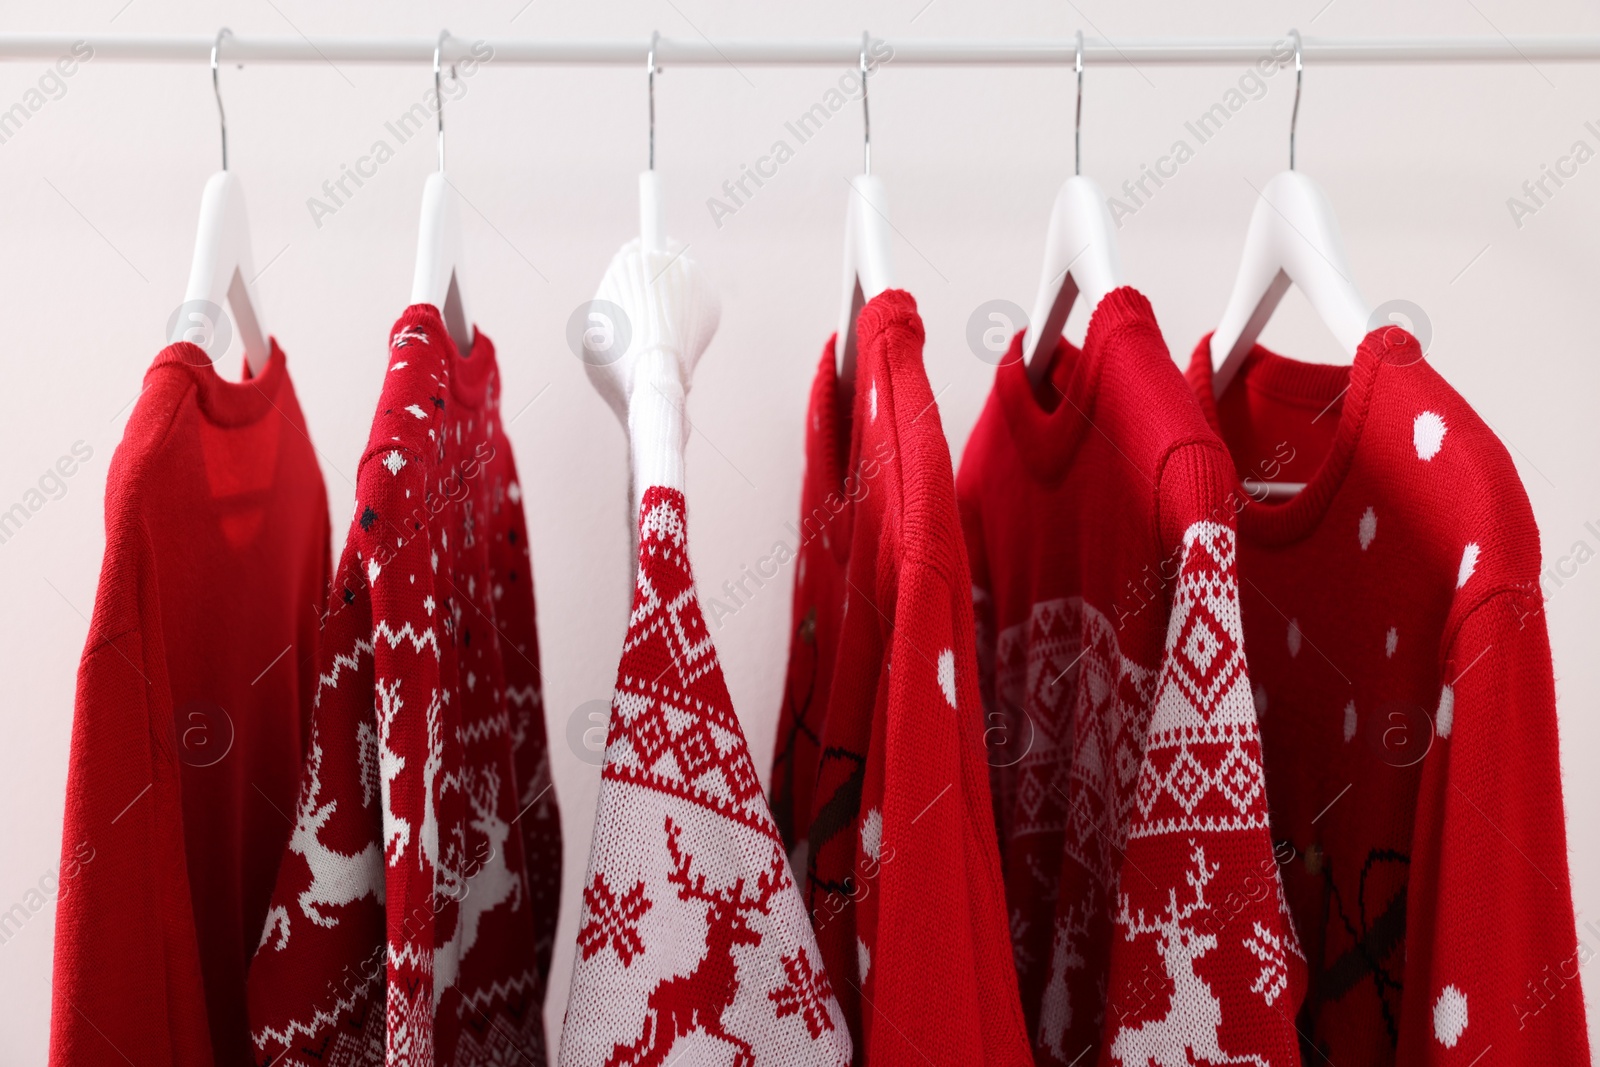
pixel 1492 957
pixel 344 926
pixel 1204 957
pixel 539 816
pixel 122 889
pixel 321 959
pixel 416 733
pixel 797 721
pixel 952 996
pixel 1001 725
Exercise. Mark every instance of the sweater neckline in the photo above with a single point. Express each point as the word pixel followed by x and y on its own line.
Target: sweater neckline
pixel 222 402
pixel 843 440
pixel 1048 424
pixel 470 374
pixel 1273 375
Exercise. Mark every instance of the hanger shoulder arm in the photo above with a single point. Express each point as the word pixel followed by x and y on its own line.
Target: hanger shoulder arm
pixel 1081 257
pixel 437 278
pixel 868 262
pixel 1293 237
pixel 223 268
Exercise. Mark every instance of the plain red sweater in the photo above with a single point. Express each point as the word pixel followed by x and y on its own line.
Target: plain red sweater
pixel 903 877
pixel 193 693
pixel 1145 900
pixel 822 552
pixel 1397 642
pixel 412 915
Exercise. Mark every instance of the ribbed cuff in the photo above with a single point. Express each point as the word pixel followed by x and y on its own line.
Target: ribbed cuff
pixel 657 430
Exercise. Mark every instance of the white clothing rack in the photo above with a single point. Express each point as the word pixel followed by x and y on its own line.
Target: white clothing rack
pixel 1132 52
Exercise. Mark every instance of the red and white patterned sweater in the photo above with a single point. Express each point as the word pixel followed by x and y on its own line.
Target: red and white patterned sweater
pixel 903 877
pixel 693 941
pixel 414 907
pixel 1147 915
pixel 1402 669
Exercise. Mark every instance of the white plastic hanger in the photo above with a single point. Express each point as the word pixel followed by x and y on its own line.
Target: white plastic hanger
pixel 868 265
pixel 223 268
pixel 1293 237
pixel 670 314
pixel 437 280
pixel 1080 252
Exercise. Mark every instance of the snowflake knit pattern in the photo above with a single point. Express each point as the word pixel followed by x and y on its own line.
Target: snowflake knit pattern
pixel 1147 915
pixel 693 942
pixel 414 908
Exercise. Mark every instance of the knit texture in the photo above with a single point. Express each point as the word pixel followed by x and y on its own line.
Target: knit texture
pixel 693 943
pixel 643 364
pixel 1398 645
pixel 193 695
pixel 412 919
pixel 883 723
pixel 1147 916
pixel 823 550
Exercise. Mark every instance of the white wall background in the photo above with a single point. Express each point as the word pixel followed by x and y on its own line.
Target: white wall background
pixel 101 188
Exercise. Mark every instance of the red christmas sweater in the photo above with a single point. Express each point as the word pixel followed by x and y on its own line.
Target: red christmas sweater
pixel 902 875
pixel 193 696
pixel 693 943
pixel 1147 916
pixel 412 918
pixel 1403 678
pixel 823 550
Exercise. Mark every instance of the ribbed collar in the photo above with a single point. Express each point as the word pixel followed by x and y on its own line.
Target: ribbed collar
pixel 1048 424
pixel 842 421
pixel 1306 384
pixel 222 402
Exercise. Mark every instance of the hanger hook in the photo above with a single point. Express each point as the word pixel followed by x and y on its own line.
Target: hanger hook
pixel 438 91
pixel 216 87
pixel 1077 118
pixel 1294 116
pixel 866 116
pixel 650 77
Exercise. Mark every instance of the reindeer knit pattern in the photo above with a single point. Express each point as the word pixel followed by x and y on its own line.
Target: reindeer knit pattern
pixel 902 874
pixel 693 944
pixel 1147 916
pixel 414 910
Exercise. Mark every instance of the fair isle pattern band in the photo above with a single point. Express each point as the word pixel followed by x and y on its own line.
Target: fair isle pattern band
pixel 1202 768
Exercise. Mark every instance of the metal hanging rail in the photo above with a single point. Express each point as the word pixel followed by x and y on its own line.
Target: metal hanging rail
pixel 843 52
